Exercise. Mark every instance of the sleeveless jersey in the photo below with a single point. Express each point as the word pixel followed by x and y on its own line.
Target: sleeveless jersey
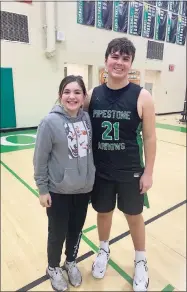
pixel 117 141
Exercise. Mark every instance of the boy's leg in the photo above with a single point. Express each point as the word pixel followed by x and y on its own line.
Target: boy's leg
pixel 78 212
pixel 58 216
pixel 103 201
pixel 131 202
pixel 137 230
pixel 104 224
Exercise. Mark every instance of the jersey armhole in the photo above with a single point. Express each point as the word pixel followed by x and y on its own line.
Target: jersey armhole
pixel 138 103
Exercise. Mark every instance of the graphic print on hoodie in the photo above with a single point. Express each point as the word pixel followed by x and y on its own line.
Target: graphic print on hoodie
pixel 63 157
pixel 77 135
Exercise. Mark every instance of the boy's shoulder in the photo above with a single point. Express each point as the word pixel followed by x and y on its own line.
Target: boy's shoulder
pixel 95 88
pixel 89 96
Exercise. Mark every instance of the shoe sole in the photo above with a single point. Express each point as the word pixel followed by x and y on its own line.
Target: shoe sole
pixel 66 289
pixel 146 287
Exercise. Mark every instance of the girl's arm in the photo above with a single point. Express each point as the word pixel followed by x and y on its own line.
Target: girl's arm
pixel 42 150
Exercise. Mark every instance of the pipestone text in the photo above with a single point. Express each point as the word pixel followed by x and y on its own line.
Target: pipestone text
pixel 112 114
pixel 111 129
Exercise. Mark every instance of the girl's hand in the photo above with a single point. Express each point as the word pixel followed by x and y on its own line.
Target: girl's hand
pixel 45 200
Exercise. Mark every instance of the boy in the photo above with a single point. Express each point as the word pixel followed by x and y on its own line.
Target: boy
pixel 119 111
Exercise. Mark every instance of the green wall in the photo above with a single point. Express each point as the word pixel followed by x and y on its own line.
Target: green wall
pixel 8 115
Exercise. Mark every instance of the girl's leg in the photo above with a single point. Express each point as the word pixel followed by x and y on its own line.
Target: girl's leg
pixel 58 217
pixel 77 219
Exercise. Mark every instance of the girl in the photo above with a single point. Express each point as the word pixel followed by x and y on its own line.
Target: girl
pixel 64 174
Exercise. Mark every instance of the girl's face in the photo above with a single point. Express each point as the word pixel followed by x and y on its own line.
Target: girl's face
pixel 72 98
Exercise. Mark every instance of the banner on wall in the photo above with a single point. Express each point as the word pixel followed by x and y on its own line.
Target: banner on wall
pixel 148 21
pixel 86 12
pixel 160 25
pixel 151 2
pixel 173 6
pixel 25 1
pixel 181 30
pixel 121 9
pixel 183 8
pixel 133 76
pixel 135 21
pixel 172 27
pixel 162 4
pixel 104 14
pixel 102 76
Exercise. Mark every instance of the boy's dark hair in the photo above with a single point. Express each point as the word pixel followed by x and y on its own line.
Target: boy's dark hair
pixel 121 45
pixel 69 79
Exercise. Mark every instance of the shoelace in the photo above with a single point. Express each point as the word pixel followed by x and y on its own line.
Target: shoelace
pixel 145 262
pixel 72 267
pixel 101 263
pixel 138 266
pixel 58 273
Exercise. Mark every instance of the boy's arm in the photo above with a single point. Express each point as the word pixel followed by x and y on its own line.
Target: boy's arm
pixel 87 100
pixel 149 138
pixel 149 132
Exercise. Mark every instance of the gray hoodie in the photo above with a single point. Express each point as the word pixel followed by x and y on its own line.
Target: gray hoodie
pixel 63 159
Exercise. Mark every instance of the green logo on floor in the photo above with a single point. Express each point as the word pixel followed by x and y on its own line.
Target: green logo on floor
pixel 17 141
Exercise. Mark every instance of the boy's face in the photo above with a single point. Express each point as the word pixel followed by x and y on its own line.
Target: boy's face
pixel 118 65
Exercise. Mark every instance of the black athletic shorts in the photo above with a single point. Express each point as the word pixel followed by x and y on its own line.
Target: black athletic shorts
pixel 105 193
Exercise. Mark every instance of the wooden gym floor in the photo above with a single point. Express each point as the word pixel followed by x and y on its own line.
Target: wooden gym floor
pixel 24 222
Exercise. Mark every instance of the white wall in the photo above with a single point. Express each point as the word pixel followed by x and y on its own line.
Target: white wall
pixel 172 85
pixel 81 70
pixel 36 78
pixel 152 76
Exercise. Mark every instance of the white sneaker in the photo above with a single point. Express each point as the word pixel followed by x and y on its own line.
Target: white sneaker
pixel 74 275
pixel 58 282
pixel 100 264
pixel 141 278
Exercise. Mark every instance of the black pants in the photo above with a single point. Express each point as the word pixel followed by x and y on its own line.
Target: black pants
pixel 66 218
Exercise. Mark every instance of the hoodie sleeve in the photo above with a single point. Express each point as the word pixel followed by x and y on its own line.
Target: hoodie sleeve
pixel 42 151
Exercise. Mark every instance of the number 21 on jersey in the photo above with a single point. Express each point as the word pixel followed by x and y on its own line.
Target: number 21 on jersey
pixel 111 132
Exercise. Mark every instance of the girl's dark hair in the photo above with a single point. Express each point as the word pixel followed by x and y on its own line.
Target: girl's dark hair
pixel 69 79
pixel 122 45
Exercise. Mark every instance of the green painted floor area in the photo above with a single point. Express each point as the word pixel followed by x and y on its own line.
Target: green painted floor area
pixel 19 140
pixel 182 129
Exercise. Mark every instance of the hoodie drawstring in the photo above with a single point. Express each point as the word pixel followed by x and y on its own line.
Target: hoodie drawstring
pixel 88 141
pixel 77 143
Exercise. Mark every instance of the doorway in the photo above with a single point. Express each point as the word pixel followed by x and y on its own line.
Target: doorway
pixel 149 87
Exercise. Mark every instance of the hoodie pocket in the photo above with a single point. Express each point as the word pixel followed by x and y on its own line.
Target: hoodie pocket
pixel 90 178
pixel 71 182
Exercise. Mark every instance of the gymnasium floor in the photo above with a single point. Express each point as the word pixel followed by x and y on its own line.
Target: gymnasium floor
pixel 24 222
